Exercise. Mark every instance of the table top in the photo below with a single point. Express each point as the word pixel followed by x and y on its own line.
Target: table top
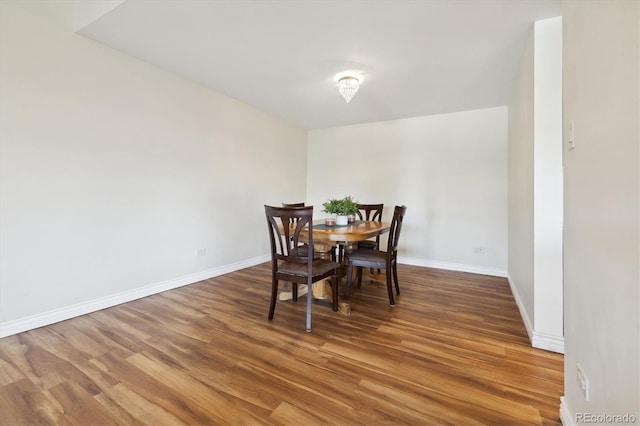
pixel 358 231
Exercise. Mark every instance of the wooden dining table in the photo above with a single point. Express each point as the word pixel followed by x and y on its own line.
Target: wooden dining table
pixel 359 230
pixel 345 237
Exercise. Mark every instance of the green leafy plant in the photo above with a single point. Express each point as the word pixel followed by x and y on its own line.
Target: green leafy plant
pixel 345 206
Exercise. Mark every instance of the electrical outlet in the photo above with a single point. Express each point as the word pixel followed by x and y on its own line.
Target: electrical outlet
pixel 201 252
pixel 479 250
pixel 583 382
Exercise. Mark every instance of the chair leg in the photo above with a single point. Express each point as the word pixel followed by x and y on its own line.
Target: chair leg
pixel 395 277
pixel 337 253
pixel 359 273
pixel 274 296
pixel 392 303
pixel 294 291
pixel 347 291
pixel 309 304
pixel 334 288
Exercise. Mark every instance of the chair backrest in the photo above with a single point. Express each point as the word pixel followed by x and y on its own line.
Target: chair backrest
pixel 371 211
pixel 286 226
pixel 293 205
pixel 394 231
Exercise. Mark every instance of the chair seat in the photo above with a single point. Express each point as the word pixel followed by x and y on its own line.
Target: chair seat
pixel 320 267
pixel 369 258
pixel 367 244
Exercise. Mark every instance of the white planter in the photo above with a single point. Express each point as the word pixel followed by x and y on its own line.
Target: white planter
pixel 342 220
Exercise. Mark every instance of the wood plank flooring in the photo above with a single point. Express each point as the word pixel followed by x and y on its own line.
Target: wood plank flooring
pixel 453 351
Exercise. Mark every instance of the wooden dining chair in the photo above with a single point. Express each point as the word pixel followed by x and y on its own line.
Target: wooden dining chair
pixel 370 212
pixel 302 251
pixel 292 204
pixel 290 229
pixel 374 258
pixel 302 248
pixel 333 252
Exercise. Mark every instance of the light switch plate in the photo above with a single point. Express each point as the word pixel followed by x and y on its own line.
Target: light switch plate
pixel 572 136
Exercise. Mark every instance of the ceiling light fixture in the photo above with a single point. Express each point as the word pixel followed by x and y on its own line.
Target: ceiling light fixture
pixel 348 85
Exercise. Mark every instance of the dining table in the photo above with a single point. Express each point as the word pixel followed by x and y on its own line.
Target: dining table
pixel 358 230
pixel 345 239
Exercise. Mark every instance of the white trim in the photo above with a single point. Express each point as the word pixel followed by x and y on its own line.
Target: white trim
pixel 565 414
pixel 9 328
pixel 550 342
pixel 474 269
pixel 523 311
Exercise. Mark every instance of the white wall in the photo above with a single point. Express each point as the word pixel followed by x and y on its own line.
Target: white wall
pixel 601 85
pixel 521 184
pixel 547 199
pixel 449 170
pixel 113 173
pixel 535 187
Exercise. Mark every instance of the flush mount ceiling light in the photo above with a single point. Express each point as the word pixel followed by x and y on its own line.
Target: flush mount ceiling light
pixel 348 84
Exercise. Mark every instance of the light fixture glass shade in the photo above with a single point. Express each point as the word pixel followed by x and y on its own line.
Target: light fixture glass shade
pixel 348 86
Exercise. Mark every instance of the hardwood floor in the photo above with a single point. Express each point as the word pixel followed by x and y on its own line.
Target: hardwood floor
pixel 453 351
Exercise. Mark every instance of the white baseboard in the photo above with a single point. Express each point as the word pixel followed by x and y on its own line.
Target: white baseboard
pixel 483 270
pixel 565 414
pixel 9 328
pixel 523 312
pixel 549 342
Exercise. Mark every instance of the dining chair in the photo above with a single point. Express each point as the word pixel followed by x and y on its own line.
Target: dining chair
pixel 375 258
pixel 370 212
pixel 302 248
pixel 302 251
pixel 291 229
pixel 333 249
pixel 365 212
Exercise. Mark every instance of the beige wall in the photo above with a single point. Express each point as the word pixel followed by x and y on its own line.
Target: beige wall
pixel 602 215
pixel 449 170
pixel 113 173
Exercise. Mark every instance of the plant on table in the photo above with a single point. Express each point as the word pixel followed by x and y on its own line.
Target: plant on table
pixel 346 206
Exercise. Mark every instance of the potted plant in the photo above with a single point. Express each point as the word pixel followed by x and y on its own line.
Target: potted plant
pixel 342 208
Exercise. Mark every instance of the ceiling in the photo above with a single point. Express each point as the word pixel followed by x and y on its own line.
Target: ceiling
pixel 417 57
